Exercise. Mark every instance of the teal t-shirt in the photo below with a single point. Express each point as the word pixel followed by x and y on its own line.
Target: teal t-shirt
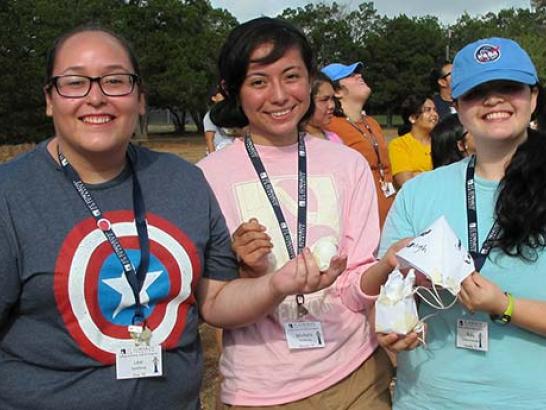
pixel 512 373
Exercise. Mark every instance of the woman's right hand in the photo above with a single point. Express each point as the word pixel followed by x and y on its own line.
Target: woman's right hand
pixel 396 343
pixel 252 246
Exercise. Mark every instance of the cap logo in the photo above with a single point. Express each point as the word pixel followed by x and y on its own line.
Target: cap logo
pixel 486 53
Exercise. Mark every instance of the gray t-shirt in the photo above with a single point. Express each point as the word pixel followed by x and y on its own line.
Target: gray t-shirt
pixel 64 302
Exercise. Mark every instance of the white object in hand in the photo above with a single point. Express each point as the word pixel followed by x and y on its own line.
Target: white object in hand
pixel 395 308
pixel 323 251
pixel 440 255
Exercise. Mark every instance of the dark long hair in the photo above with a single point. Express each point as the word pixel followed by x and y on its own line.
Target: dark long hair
pixel 446 134
pixel 412 105
pixel 521 204
pixel 540 112
pixel 234 60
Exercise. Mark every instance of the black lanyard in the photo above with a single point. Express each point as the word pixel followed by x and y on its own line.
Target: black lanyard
pixel 472 220
pixel 274 201
pixel 135 278
pixel 374 142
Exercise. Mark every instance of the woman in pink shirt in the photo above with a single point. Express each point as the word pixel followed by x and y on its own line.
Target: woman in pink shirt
pixel 283 192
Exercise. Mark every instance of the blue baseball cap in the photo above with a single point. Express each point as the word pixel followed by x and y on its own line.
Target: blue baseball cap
pixel 338 71
pixel 490 59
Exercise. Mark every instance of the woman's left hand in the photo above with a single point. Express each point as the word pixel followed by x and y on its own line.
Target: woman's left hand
pixel 302 275
pixel 479 294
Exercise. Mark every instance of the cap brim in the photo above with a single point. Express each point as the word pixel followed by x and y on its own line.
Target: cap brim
pixel 356 66
pixel 497 74
pixel 339 71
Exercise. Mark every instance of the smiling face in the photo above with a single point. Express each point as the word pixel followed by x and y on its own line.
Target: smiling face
pixel 324 106
pixel 96 123
pixel 427 119
pixel 275 96
pixel 497 111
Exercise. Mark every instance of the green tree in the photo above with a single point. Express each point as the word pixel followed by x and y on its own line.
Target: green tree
pixel 401 52
pixel 327 30
pixel 27 31
pixel 178 42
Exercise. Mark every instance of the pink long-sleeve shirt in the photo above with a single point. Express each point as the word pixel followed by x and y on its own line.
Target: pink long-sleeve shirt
pixel 257 365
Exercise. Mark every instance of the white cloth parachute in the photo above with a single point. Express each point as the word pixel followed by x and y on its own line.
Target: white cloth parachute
pixel 439 255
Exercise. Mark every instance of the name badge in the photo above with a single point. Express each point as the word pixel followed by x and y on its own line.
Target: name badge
pixel 472 334
pixel 133 362
pixel 304 335
pixel 387 188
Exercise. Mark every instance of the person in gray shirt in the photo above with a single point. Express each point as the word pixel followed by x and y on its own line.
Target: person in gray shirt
pixel 110 253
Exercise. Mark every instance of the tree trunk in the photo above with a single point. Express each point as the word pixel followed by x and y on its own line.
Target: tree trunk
pixel 141 131
pixel 183 121
pixel 389 117
pixel 178 125
pixel 198 119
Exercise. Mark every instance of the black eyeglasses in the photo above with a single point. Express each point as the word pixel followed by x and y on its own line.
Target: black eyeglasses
pixel 79 86
pixel 445 75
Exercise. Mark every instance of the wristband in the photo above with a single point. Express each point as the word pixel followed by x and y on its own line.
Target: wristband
pixel 506 317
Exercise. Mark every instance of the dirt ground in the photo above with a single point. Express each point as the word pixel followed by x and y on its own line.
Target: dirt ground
pixel 192 149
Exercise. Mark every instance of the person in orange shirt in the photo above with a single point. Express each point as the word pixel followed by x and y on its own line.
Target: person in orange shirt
pixel 360 131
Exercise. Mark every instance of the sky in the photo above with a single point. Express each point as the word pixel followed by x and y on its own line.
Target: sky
pixel 447 11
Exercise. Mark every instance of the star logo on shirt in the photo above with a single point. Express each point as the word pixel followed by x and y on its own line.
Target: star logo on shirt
pixel 122 286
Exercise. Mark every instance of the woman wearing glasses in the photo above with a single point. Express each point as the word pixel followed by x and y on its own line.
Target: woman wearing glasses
pixel 109 252
pixel 410 152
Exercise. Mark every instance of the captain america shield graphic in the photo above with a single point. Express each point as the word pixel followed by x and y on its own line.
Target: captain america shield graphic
pixel 93 294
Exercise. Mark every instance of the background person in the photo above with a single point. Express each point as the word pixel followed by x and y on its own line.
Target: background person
pixel 321 109
pixel 450 142
pixel 487 350
pixel 410 152
pixel 217 137
pixel 103 258
pixel 276 176
pixel 440 80
pixel 360 131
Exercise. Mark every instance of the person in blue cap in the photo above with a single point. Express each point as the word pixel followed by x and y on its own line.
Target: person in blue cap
pixel 360 131
pixel 488 350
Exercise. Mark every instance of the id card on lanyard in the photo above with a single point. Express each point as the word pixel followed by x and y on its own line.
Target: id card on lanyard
pixel 142 359
pixel 297 333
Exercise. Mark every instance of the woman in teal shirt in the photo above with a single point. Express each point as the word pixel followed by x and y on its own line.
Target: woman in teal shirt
pixel 486 352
